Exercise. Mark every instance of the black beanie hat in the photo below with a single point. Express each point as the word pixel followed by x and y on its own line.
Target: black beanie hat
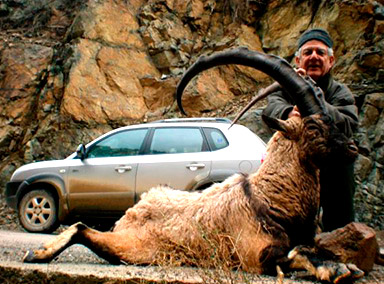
pixel 316 34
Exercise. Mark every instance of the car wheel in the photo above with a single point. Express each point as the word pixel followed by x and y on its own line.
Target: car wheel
pixel 38 211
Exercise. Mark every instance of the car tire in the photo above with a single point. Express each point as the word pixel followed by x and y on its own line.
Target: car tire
pixel 38 211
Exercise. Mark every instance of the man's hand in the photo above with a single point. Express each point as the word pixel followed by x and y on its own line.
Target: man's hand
pixel 301 71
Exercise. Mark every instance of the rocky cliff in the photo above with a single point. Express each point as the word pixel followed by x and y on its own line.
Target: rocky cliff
pixel 71 70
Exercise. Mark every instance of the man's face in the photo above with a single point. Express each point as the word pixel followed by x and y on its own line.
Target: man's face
pixel 314 59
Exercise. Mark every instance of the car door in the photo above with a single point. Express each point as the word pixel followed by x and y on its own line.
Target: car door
pixel 176 156
pixel 104 182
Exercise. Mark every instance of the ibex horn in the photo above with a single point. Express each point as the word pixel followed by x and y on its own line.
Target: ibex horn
pixel 307 96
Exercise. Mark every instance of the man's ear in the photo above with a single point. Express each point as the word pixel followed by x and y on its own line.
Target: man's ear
pixel 274 123
pixel 297 61
pixel 332 61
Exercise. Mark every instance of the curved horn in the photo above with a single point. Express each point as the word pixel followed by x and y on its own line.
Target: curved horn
pixel 304 92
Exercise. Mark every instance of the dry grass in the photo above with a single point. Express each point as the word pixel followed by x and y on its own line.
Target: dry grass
pixel 213 252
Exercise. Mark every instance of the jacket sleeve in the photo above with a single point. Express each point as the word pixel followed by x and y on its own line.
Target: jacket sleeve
pixel 278 106
pixel 340 104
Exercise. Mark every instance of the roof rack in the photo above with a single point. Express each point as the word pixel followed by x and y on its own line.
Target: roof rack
pixel 195 119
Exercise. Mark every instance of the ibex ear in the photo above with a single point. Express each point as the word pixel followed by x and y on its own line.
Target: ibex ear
pixel 274 123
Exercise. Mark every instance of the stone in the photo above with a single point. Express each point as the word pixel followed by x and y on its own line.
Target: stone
pixel 363 167
pixel 282 25
pixel 355 243
pixel 207 92
pixel 158 93
pixel 21 67
pixel 376 100
pixel 111 22
pixel 33 150
pixel 104 85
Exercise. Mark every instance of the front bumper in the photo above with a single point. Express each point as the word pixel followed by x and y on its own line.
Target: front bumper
pixel 11 190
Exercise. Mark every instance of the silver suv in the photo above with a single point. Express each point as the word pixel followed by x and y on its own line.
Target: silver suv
pixel 108 175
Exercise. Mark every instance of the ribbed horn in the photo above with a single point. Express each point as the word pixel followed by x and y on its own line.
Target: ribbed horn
pixel 305 93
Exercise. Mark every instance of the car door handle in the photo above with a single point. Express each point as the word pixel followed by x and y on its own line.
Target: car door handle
pixel 194 166
pixel 123 169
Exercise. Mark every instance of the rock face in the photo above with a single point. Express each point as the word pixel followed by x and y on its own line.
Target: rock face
pixel 72 70
pixel 369 165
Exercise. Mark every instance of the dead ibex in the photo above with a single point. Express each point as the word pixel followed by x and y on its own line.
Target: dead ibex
pixel 252 221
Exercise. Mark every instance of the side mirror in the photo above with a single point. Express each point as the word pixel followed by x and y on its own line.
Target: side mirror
pixel 81 152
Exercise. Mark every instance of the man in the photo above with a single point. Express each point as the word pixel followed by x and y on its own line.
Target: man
pixel 315 58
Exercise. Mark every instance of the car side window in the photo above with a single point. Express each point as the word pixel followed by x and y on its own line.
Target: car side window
pixel 176 140
pixel 124 143
pixel 216 139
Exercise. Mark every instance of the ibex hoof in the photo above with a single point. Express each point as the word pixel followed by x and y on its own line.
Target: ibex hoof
pixel 29 256
pixel 347 272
